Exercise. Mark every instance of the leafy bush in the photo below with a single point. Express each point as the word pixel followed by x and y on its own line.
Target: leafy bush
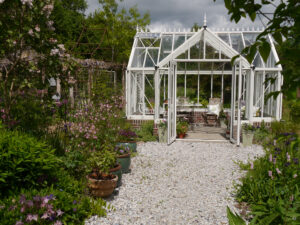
pixel 261 133
pixel 24 161
pixel 270 185
pixel 145 133
pixel 295 111
pixel 49 206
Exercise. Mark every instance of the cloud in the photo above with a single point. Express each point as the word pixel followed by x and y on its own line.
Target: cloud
pixel 180 14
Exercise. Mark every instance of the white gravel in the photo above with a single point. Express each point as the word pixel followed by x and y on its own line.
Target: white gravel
pixel 185 183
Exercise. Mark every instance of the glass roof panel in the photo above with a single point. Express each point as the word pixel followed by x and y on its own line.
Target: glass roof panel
pixel 149 62
pixel 154 55
pixel 139 43
pixel 151 42
pixel 138 58
pixel 257 62
pixel 178 40
pixel 166 46
pixel 237 42
pixel 196 51
pixel 225 38
pixel 249 38
pixel 211 52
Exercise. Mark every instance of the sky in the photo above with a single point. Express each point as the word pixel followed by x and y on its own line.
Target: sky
pixel 182 14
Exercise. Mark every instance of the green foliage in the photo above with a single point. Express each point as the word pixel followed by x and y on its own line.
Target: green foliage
pixel 234 218
pixel 48 206
pixel 181 127
pixel 24 161
pixel 101 161
pixel 284 26
pixel 248 127
pixel 295 112
pixel 145 133
pixel 261 133
pixel 270 185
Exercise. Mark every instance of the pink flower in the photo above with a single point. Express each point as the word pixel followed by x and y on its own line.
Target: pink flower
pixel 295 176
pixel 278 171
pixel 251 166
pixel 59 212
pixel 288 157
pixel 270 174
pixel 19 223
pixel 270 158
pixel 45 216
pixel 57 223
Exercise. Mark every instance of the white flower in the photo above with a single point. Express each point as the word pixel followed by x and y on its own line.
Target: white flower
pixel 30 32
pixel 1 1
pixel 28 2
pixel 37 28
pixel 62 47
pixel 54 51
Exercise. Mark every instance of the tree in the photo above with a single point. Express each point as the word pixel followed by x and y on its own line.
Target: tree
pixel 284 27
pixel 29 56
pixel 120 26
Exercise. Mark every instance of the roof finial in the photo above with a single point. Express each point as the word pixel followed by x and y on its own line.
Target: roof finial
pixel 204 24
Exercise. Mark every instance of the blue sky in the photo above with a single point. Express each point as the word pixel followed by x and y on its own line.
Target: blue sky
pixel 172 14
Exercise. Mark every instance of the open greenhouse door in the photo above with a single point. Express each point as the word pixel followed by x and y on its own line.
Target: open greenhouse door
pixel 236 94
pixel 172 86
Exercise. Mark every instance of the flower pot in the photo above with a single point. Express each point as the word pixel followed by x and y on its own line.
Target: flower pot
pixel 130 144
pixel 125 162
pixel 102 187
pixel 247 138
pixel 117 171
pixel 181 135
pixel 162 135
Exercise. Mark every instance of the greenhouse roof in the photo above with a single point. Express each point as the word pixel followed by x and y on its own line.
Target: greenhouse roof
pixel 151 49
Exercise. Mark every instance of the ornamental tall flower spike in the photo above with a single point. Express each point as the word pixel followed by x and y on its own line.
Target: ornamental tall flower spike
pixel 28 2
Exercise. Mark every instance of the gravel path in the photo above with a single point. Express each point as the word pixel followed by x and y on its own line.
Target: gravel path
pixel 185 183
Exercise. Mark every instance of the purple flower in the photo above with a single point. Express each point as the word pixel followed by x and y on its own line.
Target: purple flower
pixel 270 158
pixel 288 157
pixel 251 166
pixel 74 202
pixel 270 174
pixel 74 209
pixel 29 203
pixel 22 199
pixel 19 223
pixel 37 198
pixel 296 161
pixel 45 216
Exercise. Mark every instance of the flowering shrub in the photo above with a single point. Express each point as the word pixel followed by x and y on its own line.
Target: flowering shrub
pixel 127 135
pixel 272 181
pixel 93 125
pixel 30 56
pixel 49 206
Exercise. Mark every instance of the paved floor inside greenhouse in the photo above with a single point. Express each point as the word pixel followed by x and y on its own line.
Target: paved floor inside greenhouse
pixel 207 133
pixel 184 183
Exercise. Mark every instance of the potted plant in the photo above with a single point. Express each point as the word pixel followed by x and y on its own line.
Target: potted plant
pixel 123 157
pixel 222 119
pixel 100 182
pixel 247 134
pixel 181 129
pixel 127 138
pixel 162 131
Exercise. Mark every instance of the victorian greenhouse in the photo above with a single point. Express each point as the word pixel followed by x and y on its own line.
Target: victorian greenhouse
pixel 188 74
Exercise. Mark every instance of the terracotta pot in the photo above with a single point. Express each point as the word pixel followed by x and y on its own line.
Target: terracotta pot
pixel 102 188
pixel 125 162
pixel 117 171
pixel 181 135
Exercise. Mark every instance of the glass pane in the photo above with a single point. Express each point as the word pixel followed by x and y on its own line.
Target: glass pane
pixel 249 38
pixel 151 42
pixel 139 43
pixel 223 56
pixel 178 40
pixel 224 37
pixel 138 58
pixel 154 54
pixel 166 46
pixel 211 52
pixel 257 61
pixel 271 63
pixel 183 55
pixel 196 51
pixel 149 62
pixel 237 42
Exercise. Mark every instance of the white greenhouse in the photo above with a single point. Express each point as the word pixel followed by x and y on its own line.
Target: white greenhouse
pixel 182 73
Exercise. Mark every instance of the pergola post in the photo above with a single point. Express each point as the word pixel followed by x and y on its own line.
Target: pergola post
pixel 251 94
pixel 157 95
